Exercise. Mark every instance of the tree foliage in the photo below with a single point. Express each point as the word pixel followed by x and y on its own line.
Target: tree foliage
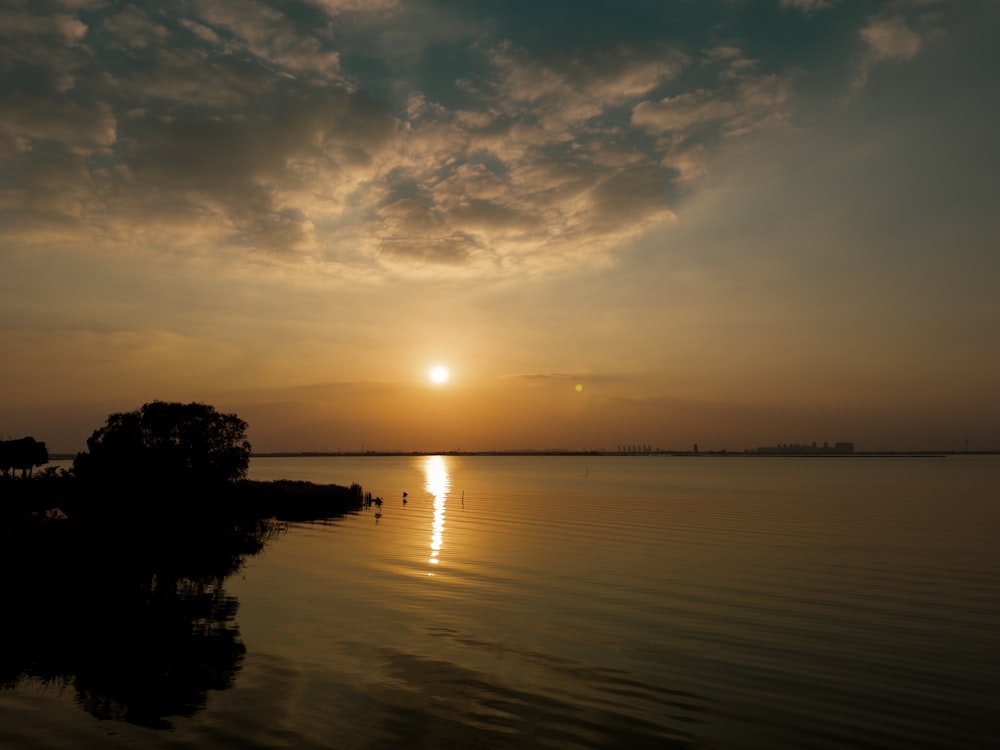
pixel 24 453
pixel 169 443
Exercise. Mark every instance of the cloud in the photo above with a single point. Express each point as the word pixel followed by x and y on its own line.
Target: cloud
pixel 64 29
pixel 194 77
pixel 808 6
pixel 624 73
pixel 561 99
pixel 626 200
pixel 235 128
pixel 341 7
pixel 201 31
pixel 890 39
pixel 49 186
pixel 522 183
pixel 136 29
pixel 542 204
pixel 42 54
pixel 272 36
pixel 264 174
pixel 763 102
pixel 756 101
pixel 682 111
pixel 27 118
pixel 737 64
pixel 77 5
pixel 413 231
pixel 688 159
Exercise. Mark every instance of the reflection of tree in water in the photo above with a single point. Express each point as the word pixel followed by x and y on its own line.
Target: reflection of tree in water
pixel 137 621
pixel 177 640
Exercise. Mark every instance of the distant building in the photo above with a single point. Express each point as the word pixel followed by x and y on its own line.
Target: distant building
pixel 797 449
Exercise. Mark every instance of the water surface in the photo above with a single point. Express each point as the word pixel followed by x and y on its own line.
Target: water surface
pixel 605 602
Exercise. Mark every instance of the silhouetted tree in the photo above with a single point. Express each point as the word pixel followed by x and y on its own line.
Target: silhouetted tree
pixel 167 445
pixel 24 453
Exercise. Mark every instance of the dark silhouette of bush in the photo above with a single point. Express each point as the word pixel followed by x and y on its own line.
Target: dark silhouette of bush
pixel 24 453
pixel 166 445
pixel 286 500
pixel 122 596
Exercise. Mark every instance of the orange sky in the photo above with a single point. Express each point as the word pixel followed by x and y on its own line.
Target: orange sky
pixel 730 227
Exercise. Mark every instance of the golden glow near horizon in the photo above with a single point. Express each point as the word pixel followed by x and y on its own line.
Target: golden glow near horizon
pixel 439 374
pixel 438 482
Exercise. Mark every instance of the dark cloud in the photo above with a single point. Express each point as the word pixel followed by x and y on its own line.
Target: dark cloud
pixel 629 197
pixel 135 29
pixel 809 6
pixel 248 168
pixel 250 122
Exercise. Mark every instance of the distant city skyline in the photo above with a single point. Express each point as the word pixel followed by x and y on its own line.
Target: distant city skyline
pixel 841 449
pixel 419 223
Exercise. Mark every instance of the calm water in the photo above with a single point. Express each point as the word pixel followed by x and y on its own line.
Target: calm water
pixel 564 602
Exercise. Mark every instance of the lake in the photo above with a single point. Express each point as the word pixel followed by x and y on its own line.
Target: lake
pixel 573 602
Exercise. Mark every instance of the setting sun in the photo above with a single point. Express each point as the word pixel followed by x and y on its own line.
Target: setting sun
pixel 438 374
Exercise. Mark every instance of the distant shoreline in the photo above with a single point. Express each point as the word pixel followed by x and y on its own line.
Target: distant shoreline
pixel 598 454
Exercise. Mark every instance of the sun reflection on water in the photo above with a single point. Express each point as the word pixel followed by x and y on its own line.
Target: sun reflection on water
pixel 437 482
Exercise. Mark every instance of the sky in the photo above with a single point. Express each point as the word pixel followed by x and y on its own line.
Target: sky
pixel 735 223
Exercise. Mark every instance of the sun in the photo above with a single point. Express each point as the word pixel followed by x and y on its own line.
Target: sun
pixel 438 374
